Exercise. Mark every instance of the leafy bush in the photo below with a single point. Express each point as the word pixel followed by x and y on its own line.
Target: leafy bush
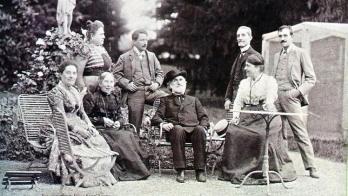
pixel 45 58
pixel 13 144
pixel 21 22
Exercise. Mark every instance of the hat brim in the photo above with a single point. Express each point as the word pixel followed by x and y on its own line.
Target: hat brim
pixel 167 79
pixel 221 127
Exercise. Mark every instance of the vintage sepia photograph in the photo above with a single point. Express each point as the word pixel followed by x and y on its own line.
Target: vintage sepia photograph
pixel 173 97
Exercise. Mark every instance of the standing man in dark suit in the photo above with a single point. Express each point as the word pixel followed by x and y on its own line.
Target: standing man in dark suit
pixel 139 74
pixel 244 37
pixel 293 70
pixel 185 120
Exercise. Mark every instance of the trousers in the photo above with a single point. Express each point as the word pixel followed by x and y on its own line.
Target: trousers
pixel 298 126
pixel 136 102
pixel 178 136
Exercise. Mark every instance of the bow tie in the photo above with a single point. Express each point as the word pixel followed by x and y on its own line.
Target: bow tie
pixel 285 51
pixel 180 97
pixel 141 55
pixel 242 54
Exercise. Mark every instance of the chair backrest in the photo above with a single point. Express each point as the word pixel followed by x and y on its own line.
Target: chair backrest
pixel 156 130
pixel 124 113
pixel 156 105
pixel 34 112
pixel 59 123
pixel 229 114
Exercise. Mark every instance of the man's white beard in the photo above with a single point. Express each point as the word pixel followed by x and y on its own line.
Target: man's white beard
pixel 178 89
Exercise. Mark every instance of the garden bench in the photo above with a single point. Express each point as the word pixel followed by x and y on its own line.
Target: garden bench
pixel 160 141
pixel 21 178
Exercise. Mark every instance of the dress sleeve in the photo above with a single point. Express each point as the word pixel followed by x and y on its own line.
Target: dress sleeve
pixel 272 90
pixel 56 99
pixel 238 102
pixel 89 106
pixel 119 116
pixel 84 116
pixel 81 61
pixel 107 61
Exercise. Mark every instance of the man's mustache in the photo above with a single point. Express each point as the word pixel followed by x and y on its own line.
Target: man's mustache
pixel 282 41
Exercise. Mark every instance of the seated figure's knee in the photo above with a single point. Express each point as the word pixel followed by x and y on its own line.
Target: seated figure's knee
pixel 177 130
pixel 178 127
pixel 199 129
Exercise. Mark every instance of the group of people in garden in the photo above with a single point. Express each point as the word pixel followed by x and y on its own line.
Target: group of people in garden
pixel 98 128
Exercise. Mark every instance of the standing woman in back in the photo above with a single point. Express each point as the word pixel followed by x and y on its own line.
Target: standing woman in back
pixel 98 59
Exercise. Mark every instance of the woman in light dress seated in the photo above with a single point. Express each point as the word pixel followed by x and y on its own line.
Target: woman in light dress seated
pixel 103 108
pixel 245 136
pixel 87 144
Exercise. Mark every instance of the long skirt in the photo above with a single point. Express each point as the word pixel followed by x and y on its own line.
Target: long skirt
pixel 86 154
pixel 85 151
pixel 130 162
pixel 244 150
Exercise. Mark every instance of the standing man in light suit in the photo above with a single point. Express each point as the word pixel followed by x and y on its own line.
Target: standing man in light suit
pixel 244 37
pixel 139 74
pixel 295 76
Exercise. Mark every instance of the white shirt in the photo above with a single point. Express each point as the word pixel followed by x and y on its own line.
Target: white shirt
pixel 245 48
pixel 141 54
pixel 251 92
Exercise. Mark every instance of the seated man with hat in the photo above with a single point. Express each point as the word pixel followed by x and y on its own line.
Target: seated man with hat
pixel 184 119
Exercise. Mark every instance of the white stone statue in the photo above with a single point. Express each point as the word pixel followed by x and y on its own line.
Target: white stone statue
pixel 65 10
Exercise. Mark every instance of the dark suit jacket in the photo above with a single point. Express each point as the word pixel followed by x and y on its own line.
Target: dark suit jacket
pixel 237 73
pixel 189 113
pixel 125 68
pixel 300 70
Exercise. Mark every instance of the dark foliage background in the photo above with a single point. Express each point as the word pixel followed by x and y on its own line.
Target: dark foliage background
pixel 208 28
pixel 24 21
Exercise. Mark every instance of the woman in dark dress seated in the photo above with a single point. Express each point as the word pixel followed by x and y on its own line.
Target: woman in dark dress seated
pixel 103 108
pixel 245 137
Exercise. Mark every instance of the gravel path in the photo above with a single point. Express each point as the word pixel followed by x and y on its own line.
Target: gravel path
pixel 332 182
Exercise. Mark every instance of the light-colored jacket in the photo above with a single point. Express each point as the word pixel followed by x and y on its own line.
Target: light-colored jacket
pixel 125 68
pixel 300 71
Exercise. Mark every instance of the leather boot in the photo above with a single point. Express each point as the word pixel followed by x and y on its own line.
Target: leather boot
pixel 313 172
pixel 180 177
pixel 200 176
